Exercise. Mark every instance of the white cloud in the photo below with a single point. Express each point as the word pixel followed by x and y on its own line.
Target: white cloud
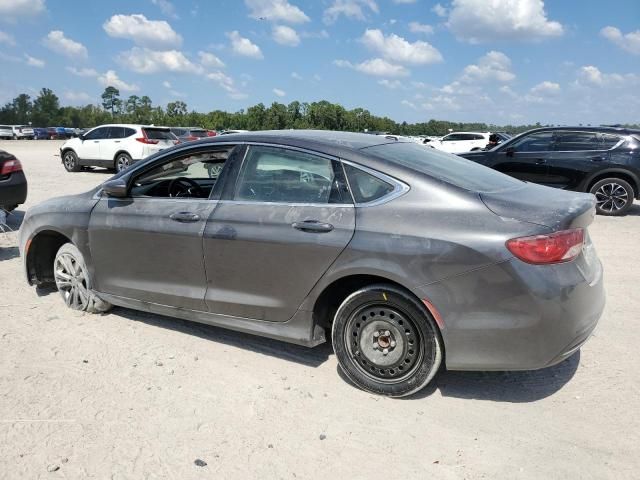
pixel 74 97
pixel 352 9
pixel 144 32
pixel 244 46
pixel 629 42
pixel 417 27
pixel 110 78
pixel 546 88
pixel 225 82
pixel 285 36
pixel 492 66
pixel 296 76
pixel 11 9
pixel 7 39
pixel 83 72
pixel 279 93
pixel 479 21
pixel 209 60
pixel 33 62
pixel 166 84
pixel 409 104
pixel 391 84
pixel 399 50
pixel 321 34
pixel 275 11
pixel 439 10
pixel 58 43
pixel 591 75
pixel 146 61
pixel 376 67
pixel 166 7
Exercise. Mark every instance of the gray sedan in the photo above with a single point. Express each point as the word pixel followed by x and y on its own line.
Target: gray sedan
pixel 406 258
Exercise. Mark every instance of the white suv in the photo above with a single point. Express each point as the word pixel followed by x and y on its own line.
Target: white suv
pixel 21 132
pixel 115 146
pixel 460 142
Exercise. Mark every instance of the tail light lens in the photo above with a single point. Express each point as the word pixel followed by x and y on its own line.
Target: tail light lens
pixel 10 166
pixel 211 133
pixel 556 247
pixel 147 141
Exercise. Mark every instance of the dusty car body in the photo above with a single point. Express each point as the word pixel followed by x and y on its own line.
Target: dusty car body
pixel 429 245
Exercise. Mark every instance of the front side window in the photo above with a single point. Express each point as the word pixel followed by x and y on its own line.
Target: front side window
pixel 453 137
pixel 193 176
pixel 97 134
pixel 535 142
pixel 272 174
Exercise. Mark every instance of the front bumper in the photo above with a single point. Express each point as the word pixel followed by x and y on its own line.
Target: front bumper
pixel 515 316
pixel 13 190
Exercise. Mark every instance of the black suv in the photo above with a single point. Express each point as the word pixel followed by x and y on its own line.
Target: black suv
pixel 604 161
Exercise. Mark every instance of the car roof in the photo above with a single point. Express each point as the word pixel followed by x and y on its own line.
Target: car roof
pixel 600 129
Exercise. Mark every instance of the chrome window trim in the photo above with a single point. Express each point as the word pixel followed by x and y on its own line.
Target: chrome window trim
pixel 399 188
pixel 287 204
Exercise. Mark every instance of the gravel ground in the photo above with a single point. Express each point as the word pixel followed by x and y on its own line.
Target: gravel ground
pixel 133 395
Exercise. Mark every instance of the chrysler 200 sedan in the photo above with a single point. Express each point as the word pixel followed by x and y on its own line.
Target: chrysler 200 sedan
pixel 407 258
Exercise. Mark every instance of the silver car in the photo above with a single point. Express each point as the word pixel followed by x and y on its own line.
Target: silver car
pixel 406 258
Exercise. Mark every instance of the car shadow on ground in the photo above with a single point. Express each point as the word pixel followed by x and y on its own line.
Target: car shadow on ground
pixel 8 253
pixel 311 357
pixel 634 210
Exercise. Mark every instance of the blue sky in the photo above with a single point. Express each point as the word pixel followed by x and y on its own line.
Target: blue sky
pixel 498 61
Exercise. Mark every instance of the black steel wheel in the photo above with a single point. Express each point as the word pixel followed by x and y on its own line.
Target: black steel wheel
pixel 386 341
pixel 614 196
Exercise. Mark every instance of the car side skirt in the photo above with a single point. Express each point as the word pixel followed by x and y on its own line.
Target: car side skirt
pixel 300 329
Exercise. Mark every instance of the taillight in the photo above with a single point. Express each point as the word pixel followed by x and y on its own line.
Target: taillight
pixel 10 166
pixel 147 141
pixel 556 247
pixel 211 133
pixel 176 142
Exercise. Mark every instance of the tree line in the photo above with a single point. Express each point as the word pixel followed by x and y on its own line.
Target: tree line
pixel 45 110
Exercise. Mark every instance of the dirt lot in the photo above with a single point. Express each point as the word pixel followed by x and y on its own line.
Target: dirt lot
pixel 132 395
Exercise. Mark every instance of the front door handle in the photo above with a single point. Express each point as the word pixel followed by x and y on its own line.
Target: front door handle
pixel 312 226
pixel 541 161
pixel 597 159
pixel 184 217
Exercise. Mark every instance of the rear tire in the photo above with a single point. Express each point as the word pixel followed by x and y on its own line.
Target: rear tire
pixel 73 282
pixel 386 341
pixel 122 161
pixel 614 196
pixel 70 161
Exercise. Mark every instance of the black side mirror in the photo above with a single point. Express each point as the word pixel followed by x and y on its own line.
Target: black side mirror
pixel 115 188
pixel 510 151
pixel 81 137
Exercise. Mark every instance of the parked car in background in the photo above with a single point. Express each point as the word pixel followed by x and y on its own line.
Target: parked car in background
pixel 459 142
pixel 13 183
pixel 189 134
pixel 40 133
pixel 70 132
pixel 407 258
pixel 22 132
pixel 211 133
pixel 115 146
pixel 56 133
pixel 6 132
pixel 603 161
pixel 228 132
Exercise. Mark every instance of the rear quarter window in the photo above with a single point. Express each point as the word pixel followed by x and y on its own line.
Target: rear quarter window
pixel 445 167
pixel 365 187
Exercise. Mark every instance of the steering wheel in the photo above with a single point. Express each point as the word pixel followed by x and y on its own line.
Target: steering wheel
pixel 192 189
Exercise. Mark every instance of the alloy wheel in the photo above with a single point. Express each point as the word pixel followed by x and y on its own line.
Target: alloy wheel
pixel 611 197
pixel 69 161
pixel 383 342
pixel 71 280
pixel 122 163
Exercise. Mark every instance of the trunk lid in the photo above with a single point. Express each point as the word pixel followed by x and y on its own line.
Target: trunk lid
pixel 550 207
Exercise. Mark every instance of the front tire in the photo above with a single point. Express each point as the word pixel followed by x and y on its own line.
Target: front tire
pixel 386 341
pixel 70 161
pixel 73 282
pixel 123 160
pixel 614 196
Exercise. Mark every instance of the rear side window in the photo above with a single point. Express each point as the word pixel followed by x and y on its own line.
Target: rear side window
pixel 609 141
pixel 577 141
pixel 445 167
pixel 364 186
pixel 159 134
pixel 116 132
pixel 128 132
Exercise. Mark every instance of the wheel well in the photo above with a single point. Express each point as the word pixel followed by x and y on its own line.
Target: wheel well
pixel 67 150
pixel 41 254
pixel 115 157
pixel 334 294
pixel 626 177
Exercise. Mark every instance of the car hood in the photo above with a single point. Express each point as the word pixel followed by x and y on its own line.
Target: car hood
pixel 540 205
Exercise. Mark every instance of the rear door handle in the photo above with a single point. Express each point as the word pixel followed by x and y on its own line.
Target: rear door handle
pixel 597 159
pixel 184 217
pixel 312 226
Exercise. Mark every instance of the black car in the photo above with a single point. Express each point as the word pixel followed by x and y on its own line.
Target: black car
pixel 13 183
pixel 604 161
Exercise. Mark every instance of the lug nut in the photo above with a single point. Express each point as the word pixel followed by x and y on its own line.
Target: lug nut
pixel 387 333
pixel 376 334
pixel 393 343
pixel 385 351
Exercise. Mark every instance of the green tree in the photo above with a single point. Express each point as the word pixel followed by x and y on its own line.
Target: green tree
pixel 111 99
pixel 176 109
pixel 46 108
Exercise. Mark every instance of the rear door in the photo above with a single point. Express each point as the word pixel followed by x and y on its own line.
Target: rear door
pixel 526 158
pixel 275 233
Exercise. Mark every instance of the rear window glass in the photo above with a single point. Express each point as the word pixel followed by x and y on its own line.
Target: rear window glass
pixel 199 133
pixel 364 186
pixel 159 134
pixel 443 166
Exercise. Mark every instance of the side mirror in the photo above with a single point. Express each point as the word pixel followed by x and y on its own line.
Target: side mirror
pixel 115 188
pixel 510 151
pixel 81 137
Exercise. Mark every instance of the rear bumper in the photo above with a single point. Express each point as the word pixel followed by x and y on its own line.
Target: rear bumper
pixel 515 316
pixel 13 190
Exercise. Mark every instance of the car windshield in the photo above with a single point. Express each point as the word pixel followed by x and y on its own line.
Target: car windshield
pixel 446 167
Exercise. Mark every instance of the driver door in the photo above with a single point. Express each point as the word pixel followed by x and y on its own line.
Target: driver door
pixel 148 246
